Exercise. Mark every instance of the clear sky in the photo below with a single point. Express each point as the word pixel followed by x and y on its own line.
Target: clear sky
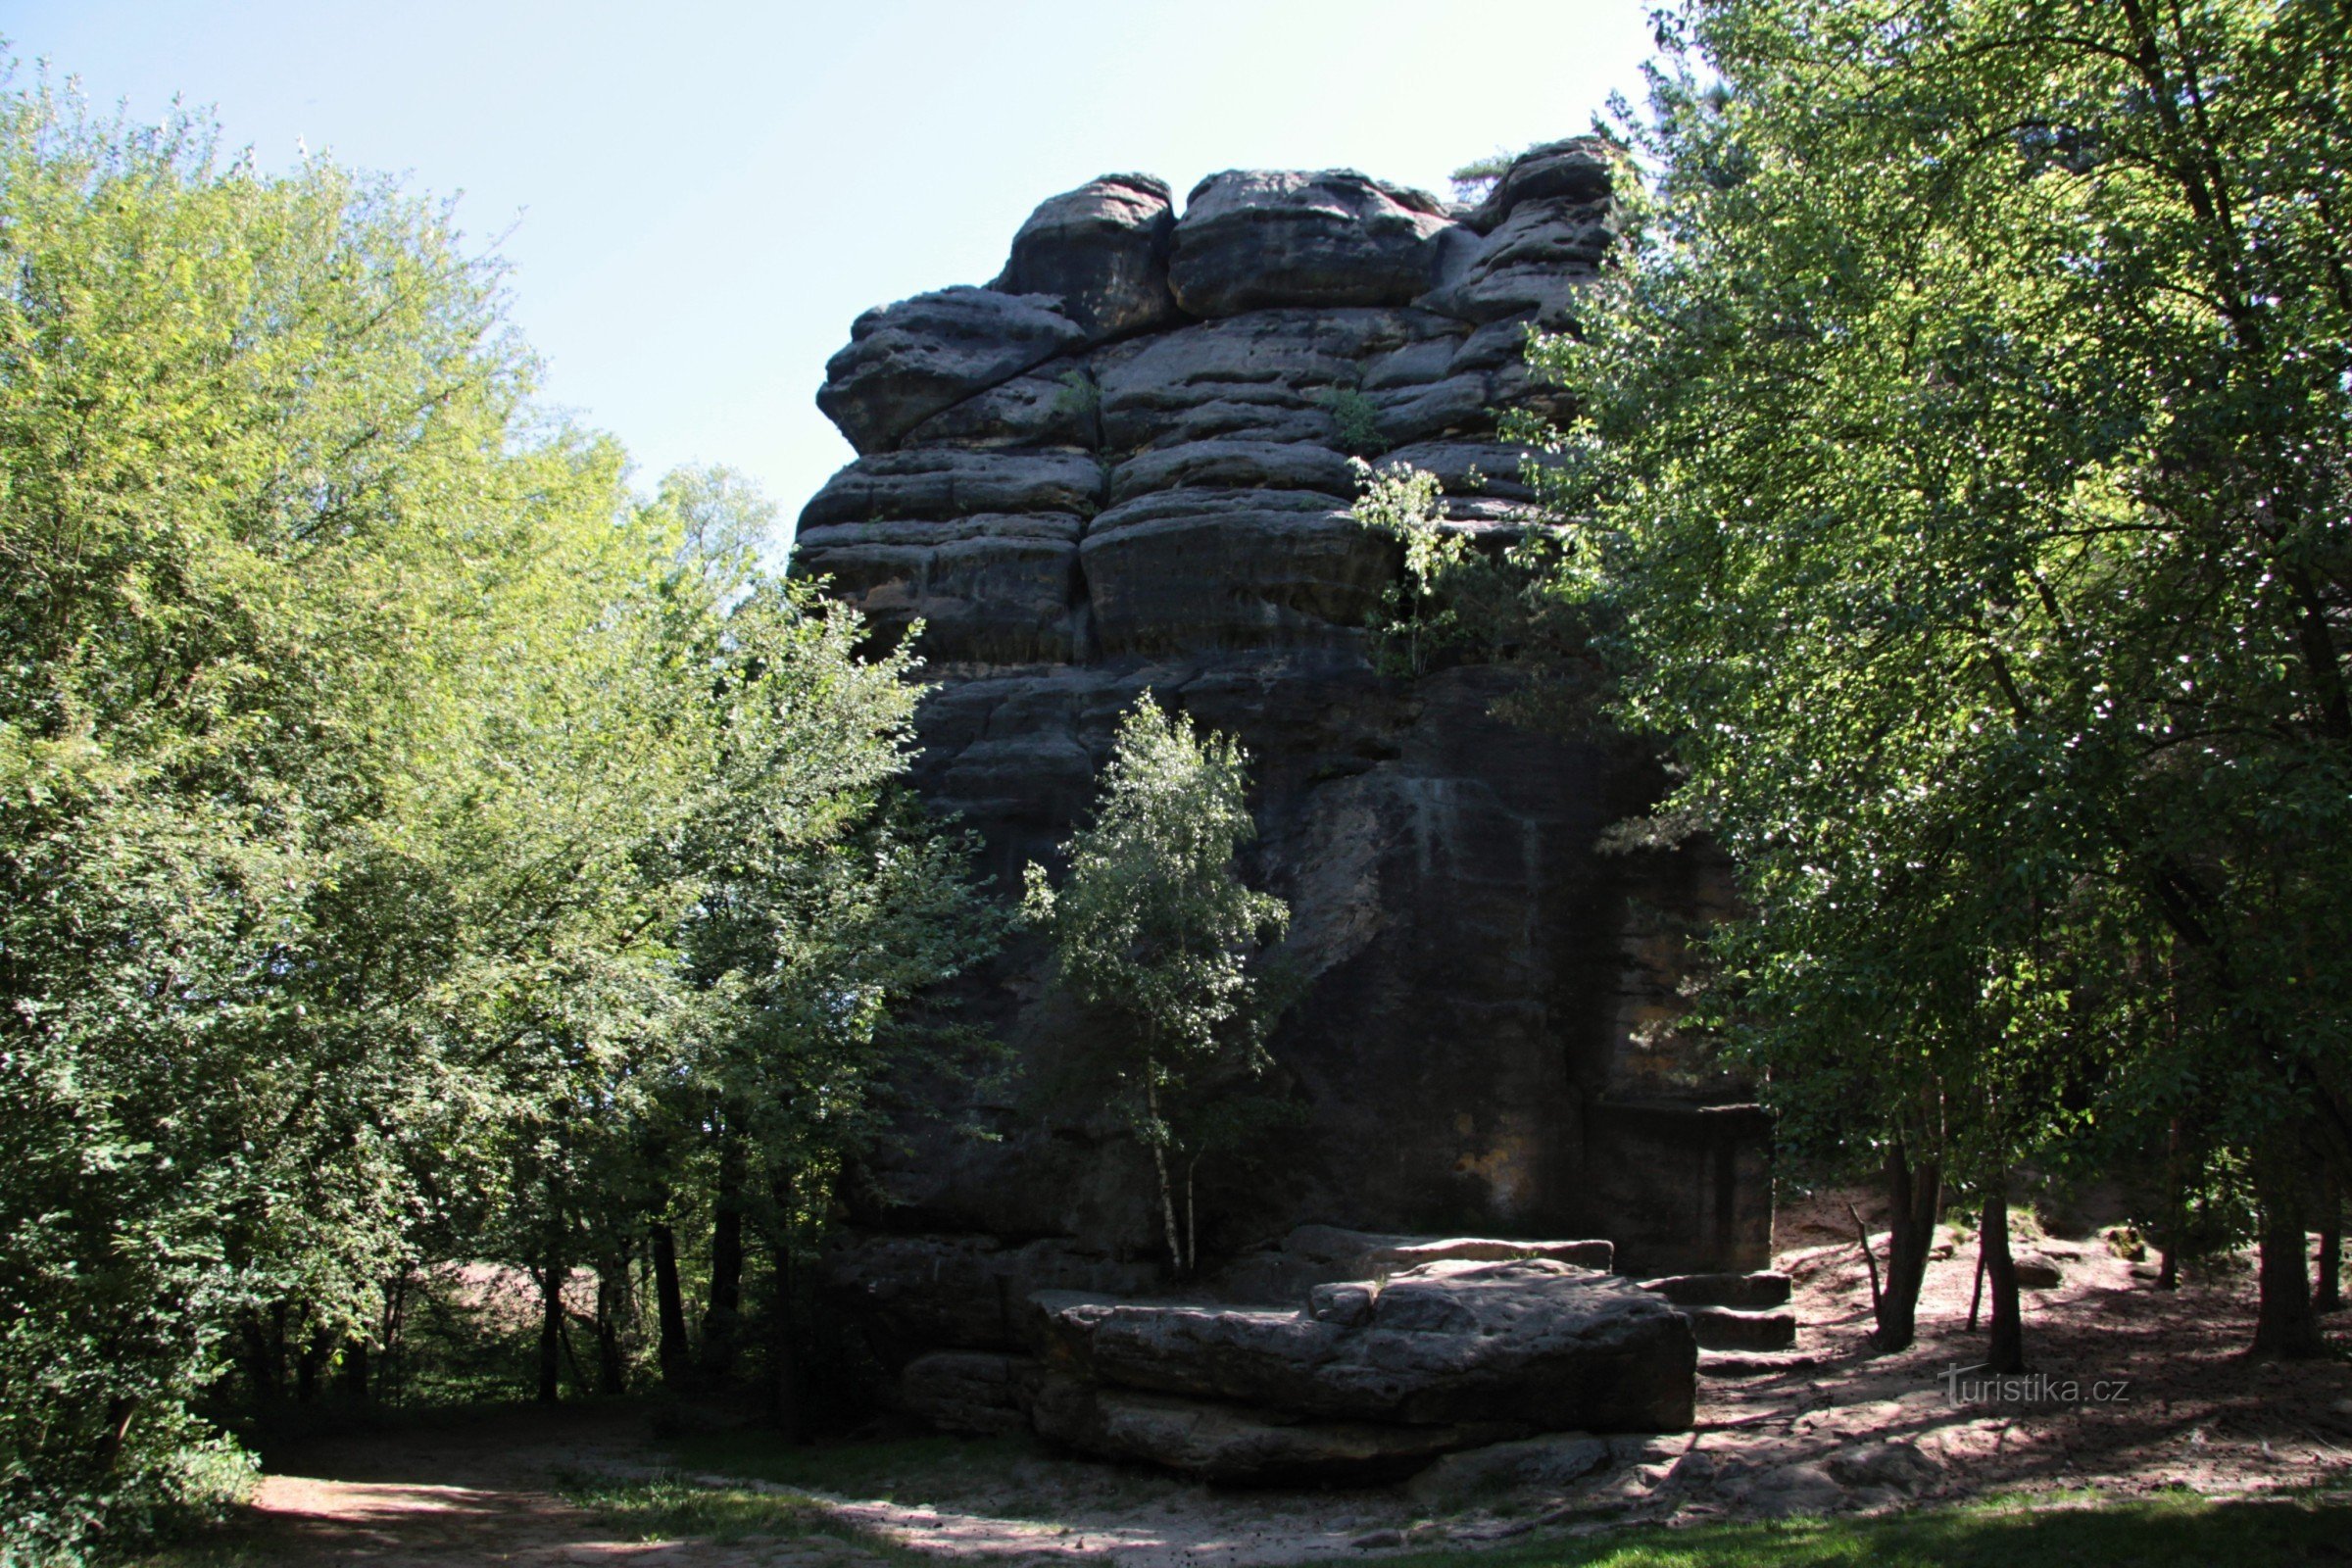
pixel 698 197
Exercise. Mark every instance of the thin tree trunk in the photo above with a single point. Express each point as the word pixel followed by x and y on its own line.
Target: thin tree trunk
pixel 611 1304
pixel 669 1305
pixel 396 1320
pixel 2176 1212
pixel 2007 1352
pixel 355 1370
pixel 310 1364
pixel 1915 1197
pixel 725 1315
pixel 551 1329
pixel 2284 1324
pixel 1191 1218
pixel 2327 1291
pixel 1976 1293
pixel 1160 1163
pixel 784 1371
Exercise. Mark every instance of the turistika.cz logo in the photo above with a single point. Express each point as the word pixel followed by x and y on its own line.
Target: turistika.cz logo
pixel 1972 1385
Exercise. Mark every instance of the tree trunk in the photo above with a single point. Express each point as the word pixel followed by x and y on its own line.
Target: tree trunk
pixel 265 1356
pixel 611 1305
pixel 551 1329
pixel 2176 1212
pixel 355 1371
pixel 2284 1324
pixel 669 1305
pixel 1191 1218
pixel 1160 1163
pixel 2327 1291
pixel 310 1364
pixel 395 1340
pixel 725 1315
pixel 1915 1201
pixel 2007 1352
pixel 783 1325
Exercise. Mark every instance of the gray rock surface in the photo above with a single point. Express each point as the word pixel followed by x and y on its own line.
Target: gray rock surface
pixel 1401 1257
pixel 1731 1328
pixel 1545 1345
pixel 906 362
pixel 918 1293
pixel 1226 1443
pixel 1253 238
pixel 1765 1288
pixel 1581 168
pixel 1547 1464
pixel 1103 251
pixel 982 1392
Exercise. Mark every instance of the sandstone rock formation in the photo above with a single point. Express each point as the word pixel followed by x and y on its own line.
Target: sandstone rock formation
pixel 1123 466
pixel 1369 1375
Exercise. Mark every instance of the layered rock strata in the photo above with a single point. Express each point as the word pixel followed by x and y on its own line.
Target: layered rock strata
pixel 1121 465
pixel 1369 1375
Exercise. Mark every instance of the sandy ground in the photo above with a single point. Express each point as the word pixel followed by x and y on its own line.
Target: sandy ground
pixel 2162 1397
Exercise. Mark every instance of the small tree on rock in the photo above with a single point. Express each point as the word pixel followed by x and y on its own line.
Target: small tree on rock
pixel 1154 932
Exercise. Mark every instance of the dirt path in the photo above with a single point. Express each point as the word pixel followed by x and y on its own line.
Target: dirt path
pixel 2181 1410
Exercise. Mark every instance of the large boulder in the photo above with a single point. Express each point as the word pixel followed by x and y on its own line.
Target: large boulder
pixel 1546 1346
pixel 907 362
pixel 1103 251
pixel 1581 168
pixel 1226 1443
pixel 1253 238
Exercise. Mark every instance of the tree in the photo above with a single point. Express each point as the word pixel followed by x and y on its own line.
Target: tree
pixel 1153 933
pixel 371 762
pixel 1963 449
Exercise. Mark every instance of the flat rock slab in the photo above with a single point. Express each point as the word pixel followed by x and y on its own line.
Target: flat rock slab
pixel 1229 1442
pixel 1729 1328
pixel 1767 1287
pixel 1544 1345
pixel 1592 1255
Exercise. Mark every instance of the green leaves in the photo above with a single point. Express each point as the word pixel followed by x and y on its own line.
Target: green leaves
pixel 1964 449
pixel 1152 925
pixel 395 812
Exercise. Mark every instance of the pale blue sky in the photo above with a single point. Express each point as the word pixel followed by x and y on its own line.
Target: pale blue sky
pixel 701 196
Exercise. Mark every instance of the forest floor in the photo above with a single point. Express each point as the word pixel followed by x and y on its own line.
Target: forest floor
pixel 1877 1440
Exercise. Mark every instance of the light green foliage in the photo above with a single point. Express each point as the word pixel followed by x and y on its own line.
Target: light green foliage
pixel 370 765
pixel 1154 932
pixel 1964 453
pixel 1355 420
pixel 1458 602
pixel 1418 617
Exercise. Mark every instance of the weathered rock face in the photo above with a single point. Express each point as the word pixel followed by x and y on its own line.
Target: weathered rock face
pixel 1546 1345
pixel 1123 467
pixel 1371 1376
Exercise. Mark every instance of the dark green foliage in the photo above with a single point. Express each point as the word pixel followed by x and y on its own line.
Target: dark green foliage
pixel 1963 461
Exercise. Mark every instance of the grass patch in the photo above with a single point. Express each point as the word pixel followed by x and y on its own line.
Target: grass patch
pixel 2011 1533
pixel 1007 1478
pixel 672 1508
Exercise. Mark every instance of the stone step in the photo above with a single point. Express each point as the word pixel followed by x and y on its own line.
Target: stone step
pixel 1732 1328
pixel 1766 1288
